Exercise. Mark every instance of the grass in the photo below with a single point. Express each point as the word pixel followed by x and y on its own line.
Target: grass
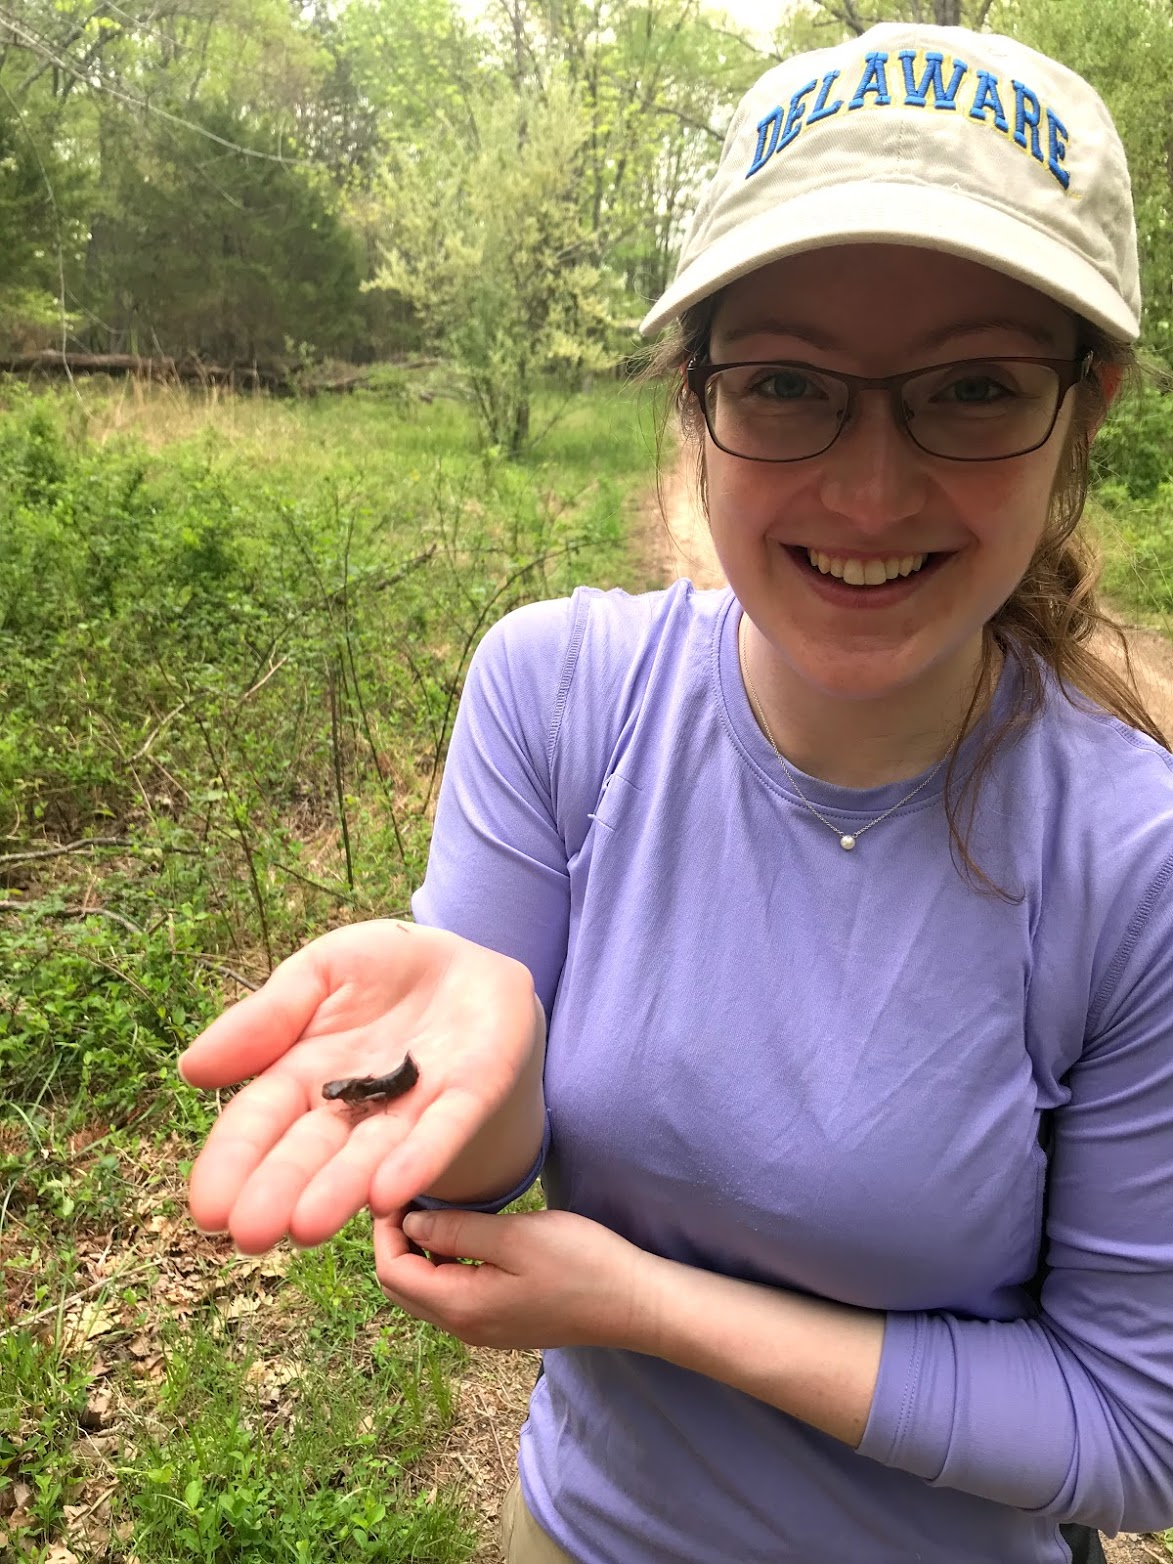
pixel 232 635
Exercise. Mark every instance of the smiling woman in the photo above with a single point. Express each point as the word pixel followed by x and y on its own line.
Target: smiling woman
pixel 857 1153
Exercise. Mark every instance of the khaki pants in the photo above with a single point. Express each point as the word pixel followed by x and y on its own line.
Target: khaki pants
pixel 522 1538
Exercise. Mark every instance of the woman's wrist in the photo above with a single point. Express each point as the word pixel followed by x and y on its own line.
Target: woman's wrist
pixel 506 1146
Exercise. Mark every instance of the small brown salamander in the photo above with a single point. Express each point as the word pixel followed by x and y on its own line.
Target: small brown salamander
pixel 373 1089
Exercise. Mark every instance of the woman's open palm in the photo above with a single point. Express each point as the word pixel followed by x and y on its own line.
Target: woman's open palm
pixel 281 1160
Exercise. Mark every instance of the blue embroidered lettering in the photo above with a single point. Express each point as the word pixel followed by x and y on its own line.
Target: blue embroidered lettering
pixel 986 97
pixel 794 114
pixel 1027 111
pixel 1057 136
pixel 943 97
pixel 770 127
pixel 820 110
pixel 874 79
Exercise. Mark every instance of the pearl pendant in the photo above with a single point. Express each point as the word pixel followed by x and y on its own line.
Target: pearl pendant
pixel 847 843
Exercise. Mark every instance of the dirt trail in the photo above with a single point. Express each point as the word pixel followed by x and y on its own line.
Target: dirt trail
pixel 481 1448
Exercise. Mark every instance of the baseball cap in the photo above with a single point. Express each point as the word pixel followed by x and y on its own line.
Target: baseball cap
pixel 937 137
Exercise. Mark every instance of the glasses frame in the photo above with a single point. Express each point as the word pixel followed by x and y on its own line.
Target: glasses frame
pixel 1071 372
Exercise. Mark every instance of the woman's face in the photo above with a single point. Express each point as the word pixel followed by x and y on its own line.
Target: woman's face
pixel 874 496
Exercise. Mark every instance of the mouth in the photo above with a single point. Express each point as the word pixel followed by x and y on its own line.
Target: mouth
pixel 866 575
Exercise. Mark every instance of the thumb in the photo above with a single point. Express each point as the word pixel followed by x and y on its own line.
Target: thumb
pixel 464 1235
pixel 257 1031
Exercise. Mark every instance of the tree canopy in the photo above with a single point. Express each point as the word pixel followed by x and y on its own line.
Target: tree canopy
pixel 507 182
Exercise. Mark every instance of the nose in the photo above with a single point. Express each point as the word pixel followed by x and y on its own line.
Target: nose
pixel 873 475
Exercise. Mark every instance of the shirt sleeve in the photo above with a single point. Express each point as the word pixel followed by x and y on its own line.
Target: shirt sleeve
pixel 497 867
pixel 1070 1414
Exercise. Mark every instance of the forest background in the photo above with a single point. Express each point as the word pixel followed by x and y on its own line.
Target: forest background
pixel 234 627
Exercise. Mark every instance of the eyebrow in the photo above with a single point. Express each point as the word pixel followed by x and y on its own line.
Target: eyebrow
pixel 827 343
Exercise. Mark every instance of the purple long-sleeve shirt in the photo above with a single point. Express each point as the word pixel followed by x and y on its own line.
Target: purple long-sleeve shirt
pixel 825 1071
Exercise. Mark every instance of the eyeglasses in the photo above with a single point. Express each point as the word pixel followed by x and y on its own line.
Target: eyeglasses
pixel 975 410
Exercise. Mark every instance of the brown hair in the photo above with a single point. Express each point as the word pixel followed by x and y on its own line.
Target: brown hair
pixel 1050 620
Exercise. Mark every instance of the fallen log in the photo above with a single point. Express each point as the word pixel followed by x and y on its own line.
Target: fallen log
pixel 187 371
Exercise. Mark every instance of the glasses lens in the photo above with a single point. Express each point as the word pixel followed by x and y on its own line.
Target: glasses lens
pixel 983 409
pixel 774 412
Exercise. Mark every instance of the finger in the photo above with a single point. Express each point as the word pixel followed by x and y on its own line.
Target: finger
pixel 263 1211
pixel 252 1123
pixel 390 1242
pixel 335 1190
pixel 438 1137
pixel 454 1298
pixel 400 1268
pixel 465 1235
pixel 260 1029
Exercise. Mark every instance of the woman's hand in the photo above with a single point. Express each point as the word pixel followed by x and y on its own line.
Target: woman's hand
pixel 545 1279
pixel 280 1159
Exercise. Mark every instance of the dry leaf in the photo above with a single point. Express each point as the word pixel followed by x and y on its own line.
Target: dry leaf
pixel 96 1413
pixel 240 1307
pixel 21 1493
pixel 93 1319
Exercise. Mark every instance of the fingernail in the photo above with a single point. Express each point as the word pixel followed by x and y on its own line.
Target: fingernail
pixel 417 1224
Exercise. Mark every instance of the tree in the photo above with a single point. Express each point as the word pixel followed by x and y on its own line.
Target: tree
pixel 854 17
pixel 656 80
pixel 198 249
pixel 485 240
pixel 1125 49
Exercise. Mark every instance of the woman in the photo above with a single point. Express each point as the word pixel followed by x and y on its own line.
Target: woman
pixel 851 919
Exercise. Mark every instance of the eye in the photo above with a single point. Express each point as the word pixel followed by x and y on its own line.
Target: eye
pixel 784 384
pixel 976 388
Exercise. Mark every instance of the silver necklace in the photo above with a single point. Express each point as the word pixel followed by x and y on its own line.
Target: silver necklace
pixel 846 840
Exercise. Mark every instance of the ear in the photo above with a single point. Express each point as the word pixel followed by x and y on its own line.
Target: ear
pixel 1110 378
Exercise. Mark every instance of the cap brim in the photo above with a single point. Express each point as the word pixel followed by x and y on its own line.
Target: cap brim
pixel 925 216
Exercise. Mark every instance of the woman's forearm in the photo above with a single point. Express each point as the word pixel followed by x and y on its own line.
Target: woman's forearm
pixel 816 1360
pixel 506 1147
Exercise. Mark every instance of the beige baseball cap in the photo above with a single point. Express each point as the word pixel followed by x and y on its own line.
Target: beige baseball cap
pixel 939 137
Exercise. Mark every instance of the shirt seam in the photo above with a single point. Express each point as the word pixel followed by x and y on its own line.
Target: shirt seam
pixel 580 605
pixel 1128 944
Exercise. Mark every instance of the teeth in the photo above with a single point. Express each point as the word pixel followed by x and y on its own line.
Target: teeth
pixel 866 572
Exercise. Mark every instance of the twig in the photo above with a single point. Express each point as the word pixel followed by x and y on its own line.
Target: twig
pixel 80 1515
pixel 155 732
pixel 260 684
pixel 220 966
pixel 488 1416
pixel 70 847
pixel 339 788
pixel 63 1304
pixel 366 726
pixel 1162 1558
pixel 73 912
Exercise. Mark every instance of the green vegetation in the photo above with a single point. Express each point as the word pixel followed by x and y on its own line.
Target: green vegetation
pixel 1135 496
pixel 231 646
